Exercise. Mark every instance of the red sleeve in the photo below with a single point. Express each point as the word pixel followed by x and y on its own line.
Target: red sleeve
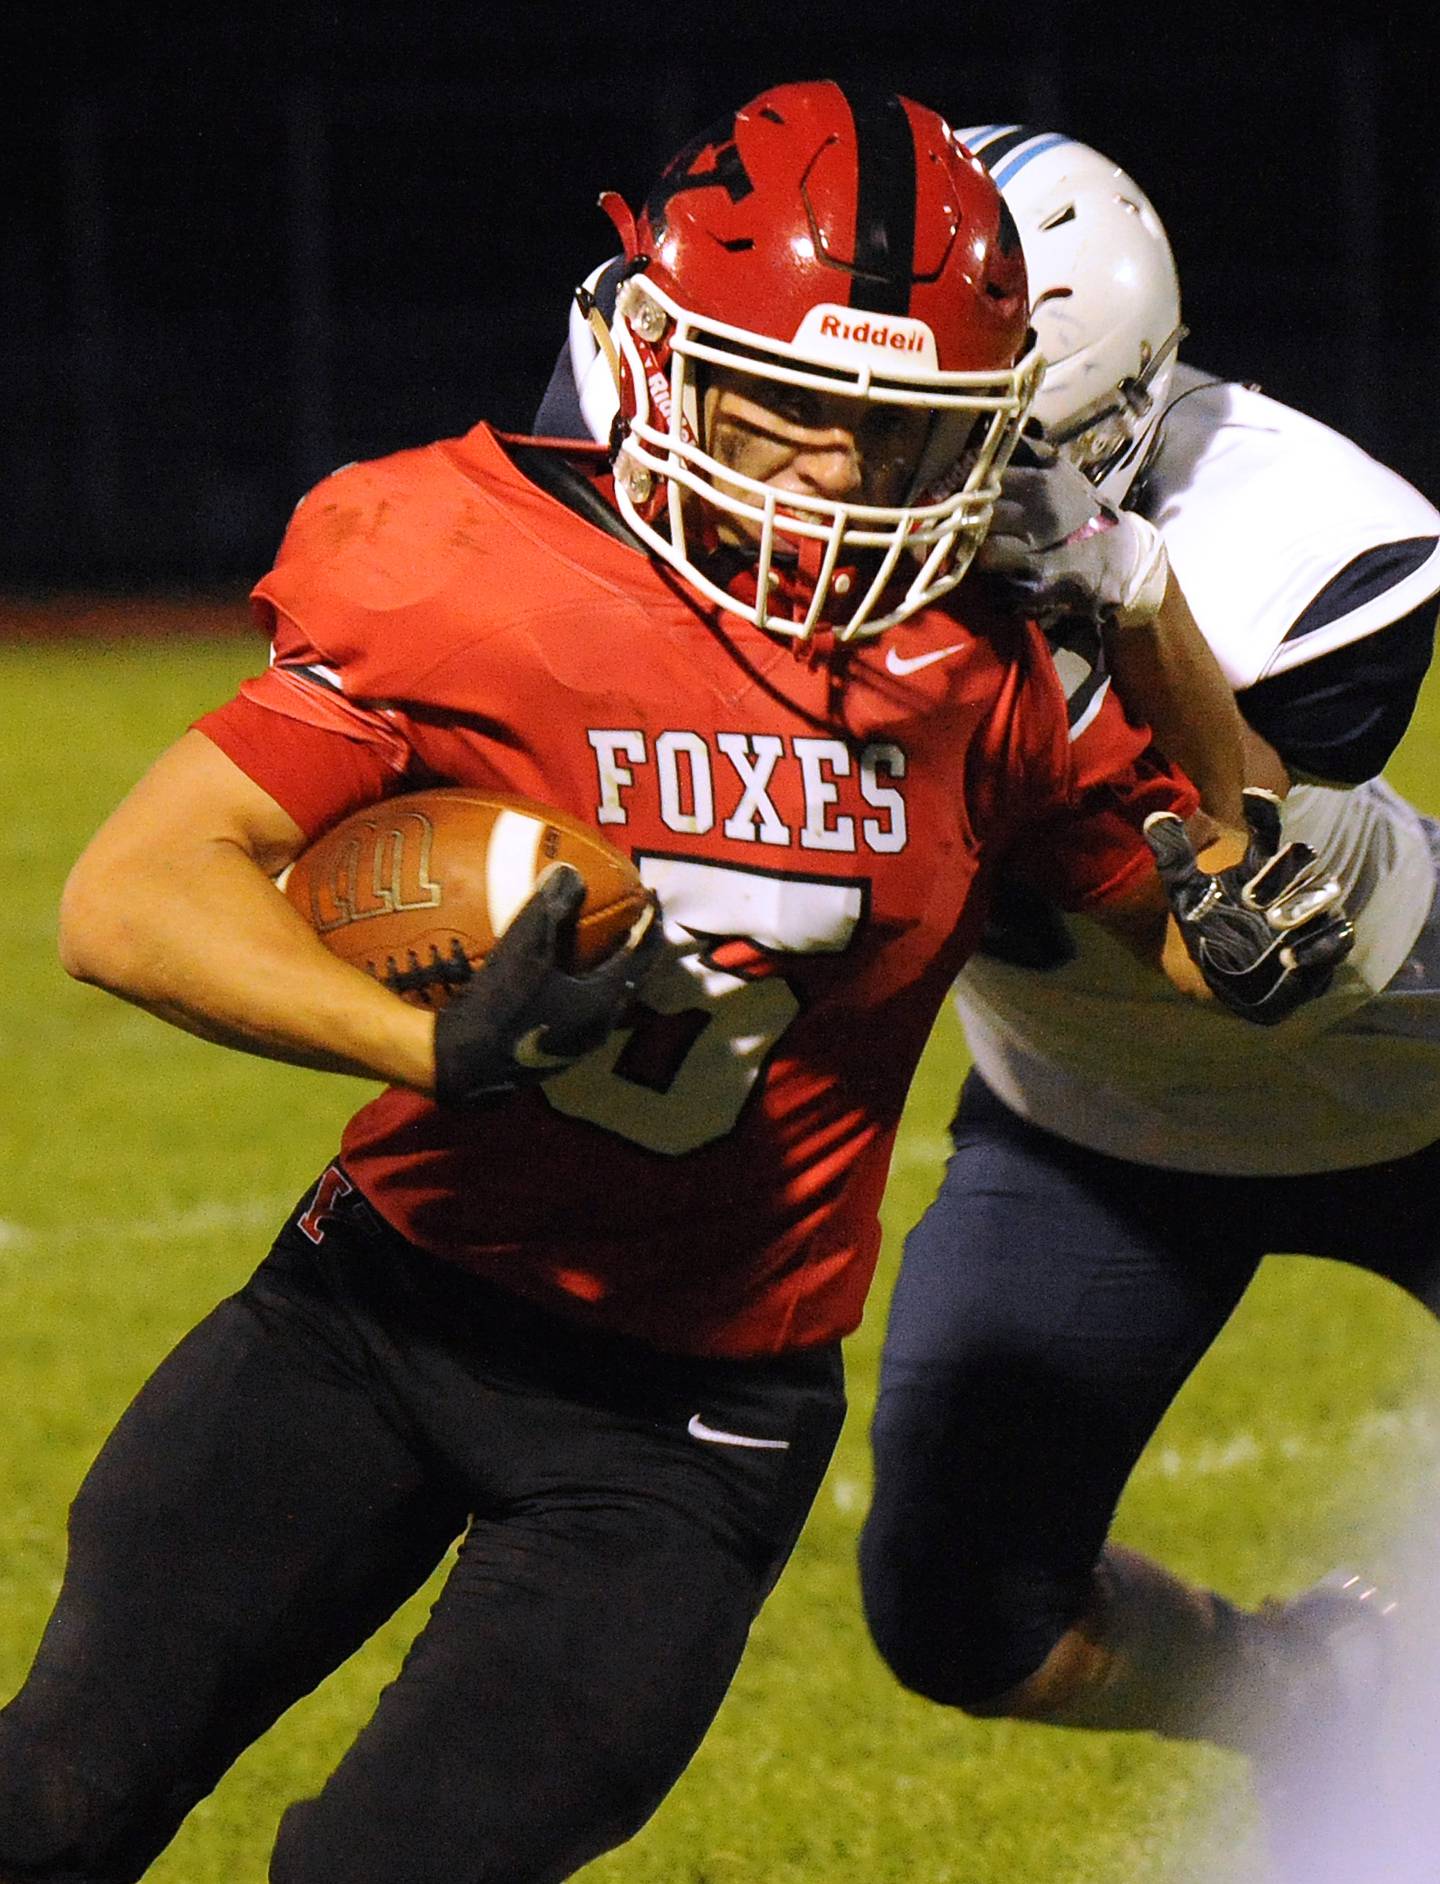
pixel 377 572
pixel 1092 848
pixel 364 551
pixel 295 734
pixel 318 776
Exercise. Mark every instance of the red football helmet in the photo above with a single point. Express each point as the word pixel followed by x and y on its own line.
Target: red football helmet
pixel 848 245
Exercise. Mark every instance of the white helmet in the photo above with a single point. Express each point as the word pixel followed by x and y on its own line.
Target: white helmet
pixel 1105 301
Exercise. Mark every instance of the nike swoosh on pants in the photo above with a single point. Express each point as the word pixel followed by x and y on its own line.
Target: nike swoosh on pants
pixel 716 1436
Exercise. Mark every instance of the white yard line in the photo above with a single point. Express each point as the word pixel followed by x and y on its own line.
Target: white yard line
pixel 214 1217
pixel 1410 1434
pixel 1414 1429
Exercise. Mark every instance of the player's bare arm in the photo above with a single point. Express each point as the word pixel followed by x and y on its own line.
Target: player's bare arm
pixel 1063 549
pixel 1263 765
pixel 1168 677
pixel 172 906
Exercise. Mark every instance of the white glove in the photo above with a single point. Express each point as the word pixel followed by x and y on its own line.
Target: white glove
pixel 1060 549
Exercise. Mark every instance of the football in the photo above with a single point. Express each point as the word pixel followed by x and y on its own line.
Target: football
pixel 416 889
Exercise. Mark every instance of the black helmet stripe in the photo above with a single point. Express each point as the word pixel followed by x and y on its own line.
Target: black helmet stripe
pixel 884 260
pixel 999 141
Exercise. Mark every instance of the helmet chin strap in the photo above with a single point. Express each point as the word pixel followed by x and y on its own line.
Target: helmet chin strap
pixel 809 567
pixel 795 578
pixel 600 327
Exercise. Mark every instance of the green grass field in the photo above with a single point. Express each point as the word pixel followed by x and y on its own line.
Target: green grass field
pixel 142 1172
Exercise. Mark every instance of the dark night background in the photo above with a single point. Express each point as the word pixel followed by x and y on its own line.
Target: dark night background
pixel 242 247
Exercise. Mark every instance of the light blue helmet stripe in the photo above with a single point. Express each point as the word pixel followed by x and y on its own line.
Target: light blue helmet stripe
pixel 1014 164
pixel 977 136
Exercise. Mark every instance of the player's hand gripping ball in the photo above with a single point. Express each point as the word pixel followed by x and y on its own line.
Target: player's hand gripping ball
pixel 521 926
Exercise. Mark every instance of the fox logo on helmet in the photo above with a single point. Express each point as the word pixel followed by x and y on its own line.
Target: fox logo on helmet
pixel 727 172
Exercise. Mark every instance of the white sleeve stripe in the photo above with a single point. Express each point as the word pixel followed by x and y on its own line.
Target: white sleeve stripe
pixel 1078 654
pixel 1077 726
pixel 315 672
pixel 1262 509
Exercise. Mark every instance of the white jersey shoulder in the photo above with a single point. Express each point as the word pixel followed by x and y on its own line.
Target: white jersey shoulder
pixel 1261 507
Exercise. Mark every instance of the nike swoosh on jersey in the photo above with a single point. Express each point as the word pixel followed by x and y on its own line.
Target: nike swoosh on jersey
pixel 902 664
pixel 715 1436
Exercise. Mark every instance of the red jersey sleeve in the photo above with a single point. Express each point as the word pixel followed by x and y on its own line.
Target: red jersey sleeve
pixel 294 731
pixel 315 774
pixel 364 555
pixel 1091 847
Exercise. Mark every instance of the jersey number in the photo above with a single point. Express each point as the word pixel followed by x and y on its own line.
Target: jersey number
pixel 714 1009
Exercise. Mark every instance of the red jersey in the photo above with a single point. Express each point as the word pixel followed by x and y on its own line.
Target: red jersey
pixel 820 827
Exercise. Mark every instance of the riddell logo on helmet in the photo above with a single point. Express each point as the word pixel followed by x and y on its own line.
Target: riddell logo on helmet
pixel 880 335
pixel 659 391
pixel 838 333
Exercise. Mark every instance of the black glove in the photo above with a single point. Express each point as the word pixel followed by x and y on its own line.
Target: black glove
pixel 1268 933
pixel 1059 548
pixel 522 1016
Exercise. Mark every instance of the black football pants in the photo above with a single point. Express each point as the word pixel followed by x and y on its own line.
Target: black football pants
pixel 297 1468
